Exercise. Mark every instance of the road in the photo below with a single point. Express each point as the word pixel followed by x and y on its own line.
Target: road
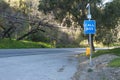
pixel 38 64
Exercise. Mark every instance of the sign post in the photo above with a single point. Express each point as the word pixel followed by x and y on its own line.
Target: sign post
pixel 90 49
pixel 90 28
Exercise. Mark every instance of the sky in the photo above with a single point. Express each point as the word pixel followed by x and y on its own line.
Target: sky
pixel 105 1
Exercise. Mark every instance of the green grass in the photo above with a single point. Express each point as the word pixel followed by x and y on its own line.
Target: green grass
pixel 114 62
pixel 114 44
pixel 115 51
pixel 13 44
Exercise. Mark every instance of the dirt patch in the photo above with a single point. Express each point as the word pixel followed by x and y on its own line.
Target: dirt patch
pixel 99 70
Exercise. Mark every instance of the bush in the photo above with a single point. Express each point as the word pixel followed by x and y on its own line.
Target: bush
pixel 39 37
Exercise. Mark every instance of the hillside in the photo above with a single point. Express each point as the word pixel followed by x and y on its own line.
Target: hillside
pixel 13 44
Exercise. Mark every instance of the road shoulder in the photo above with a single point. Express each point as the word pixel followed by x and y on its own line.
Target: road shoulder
pixel 99 70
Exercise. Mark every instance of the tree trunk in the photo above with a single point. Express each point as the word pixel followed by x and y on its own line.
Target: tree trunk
pixel 30 32
pixel 6 33
pixel 92 44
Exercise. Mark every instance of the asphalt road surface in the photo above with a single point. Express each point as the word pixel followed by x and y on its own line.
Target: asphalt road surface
pixel 38 64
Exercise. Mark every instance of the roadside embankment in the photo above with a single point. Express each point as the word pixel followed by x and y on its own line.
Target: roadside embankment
pixel 101 69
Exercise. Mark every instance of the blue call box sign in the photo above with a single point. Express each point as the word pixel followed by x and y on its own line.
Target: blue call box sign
pixel 89 26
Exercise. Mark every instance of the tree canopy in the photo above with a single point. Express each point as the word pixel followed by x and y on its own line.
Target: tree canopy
pixel 23 19
pixel 112 13
pixel 71 10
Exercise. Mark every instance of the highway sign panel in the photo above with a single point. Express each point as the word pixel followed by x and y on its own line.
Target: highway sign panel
pixel 89 26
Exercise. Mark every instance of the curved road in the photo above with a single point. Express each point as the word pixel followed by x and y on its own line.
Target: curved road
pixel 38 64
pixel 25 52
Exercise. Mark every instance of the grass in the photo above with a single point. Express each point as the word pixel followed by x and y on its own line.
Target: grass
pixel 115 51
pixel 114 44
pixel 13 44
pixel 114 62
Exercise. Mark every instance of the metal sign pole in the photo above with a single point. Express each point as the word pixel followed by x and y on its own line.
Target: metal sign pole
pixel 89 17
pixel 89 28
pixel 90 49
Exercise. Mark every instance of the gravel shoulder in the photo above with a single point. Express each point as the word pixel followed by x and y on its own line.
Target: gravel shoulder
pixel 99 70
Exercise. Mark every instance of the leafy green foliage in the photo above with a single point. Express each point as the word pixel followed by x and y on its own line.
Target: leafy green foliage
pixel 112 13
pixel 24 16
pixel 39 36
pixel 63 8
pixel 107 19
